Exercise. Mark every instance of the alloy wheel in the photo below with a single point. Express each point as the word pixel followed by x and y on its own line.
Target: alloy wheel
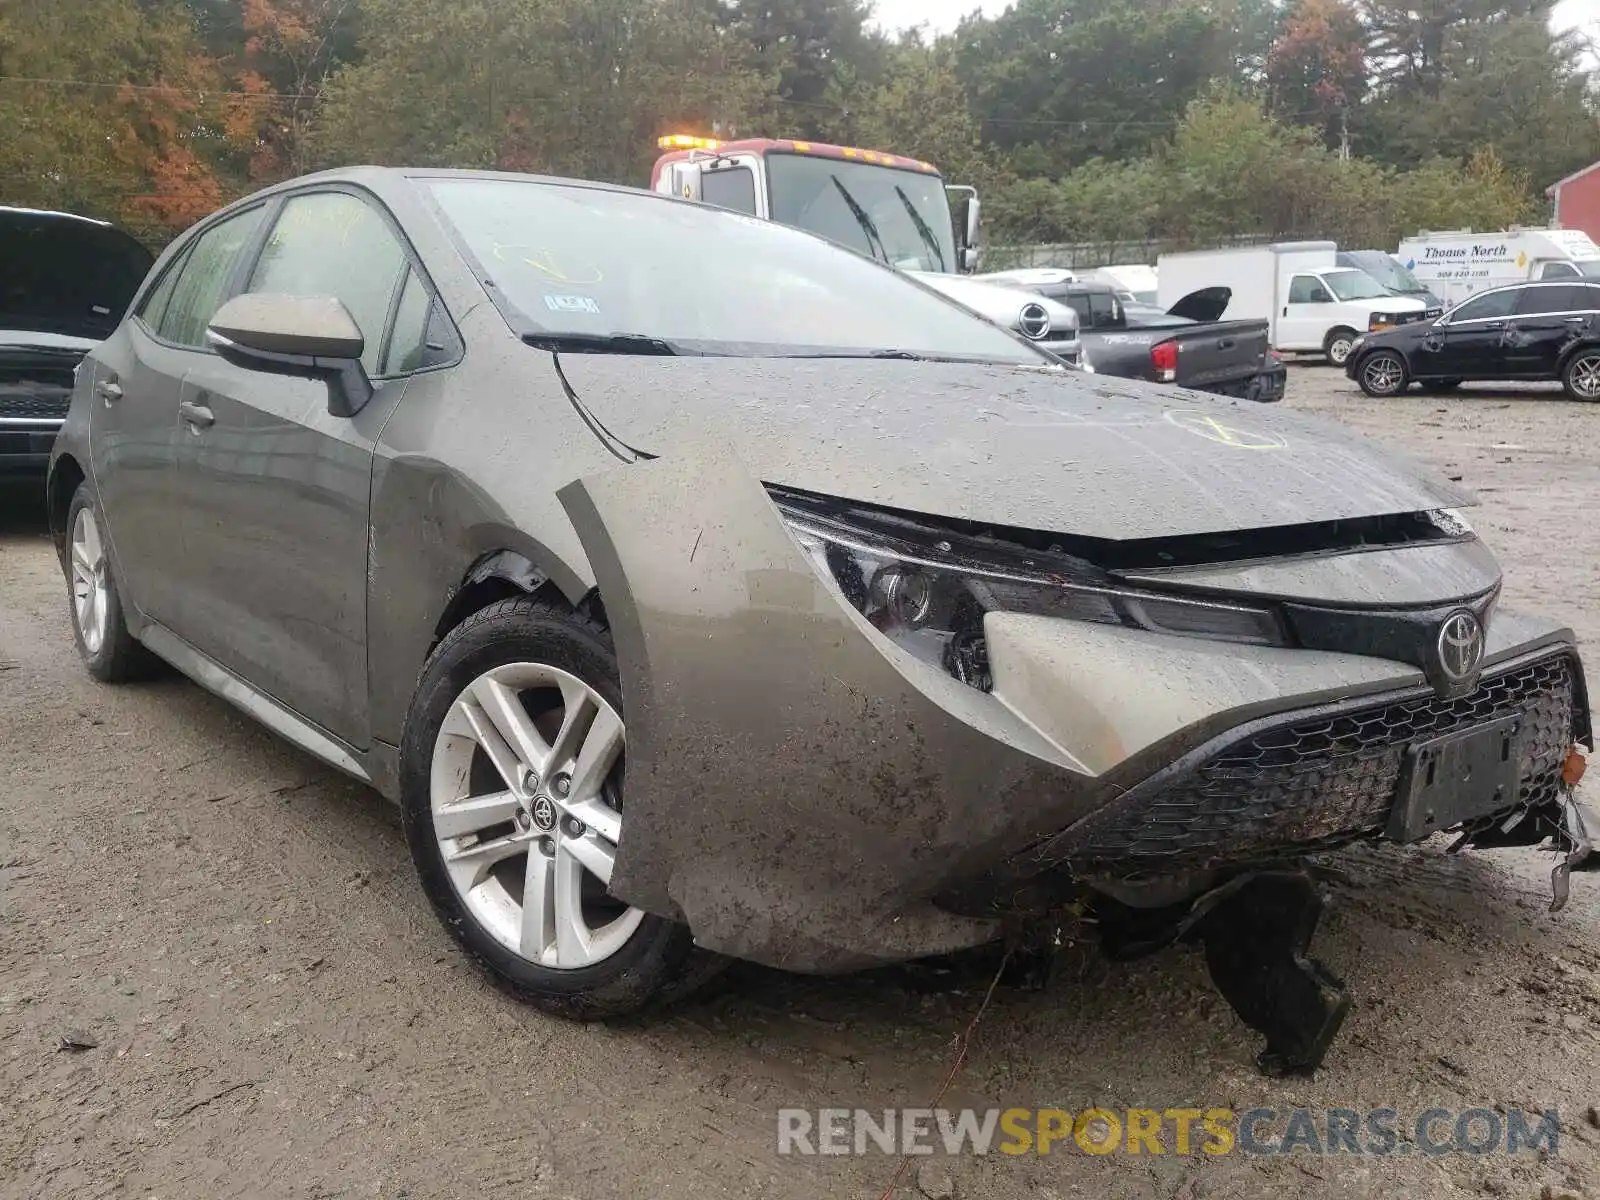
pixel 89 585
pixel 525 790
pixel 1383 375
pixel 1585 377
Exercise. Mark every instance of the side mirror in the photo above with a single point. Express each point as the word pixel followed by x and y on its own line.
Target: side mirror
pixel 969 259
pixel 974 217
pixel 314 337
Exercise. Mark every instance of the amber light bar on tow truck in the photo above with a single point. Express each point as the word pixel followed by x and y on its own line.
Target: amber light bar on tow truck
pixel 688 141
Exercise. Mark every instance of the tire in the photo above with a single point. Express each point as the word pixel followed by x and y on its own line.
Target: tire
pixel 1580 378
pixel 1338 344
pixel 94 604
pixel 1434 386
pixel 518 652
pixel 1382 374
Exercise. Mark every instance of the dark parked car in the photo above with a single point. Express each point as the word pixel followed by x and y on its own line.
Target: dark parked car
pixel 1537 331
pixel 65 282
pixel 797 614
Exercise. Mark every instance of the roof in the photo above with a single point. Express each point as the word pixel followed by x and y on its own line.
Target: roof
pixel 1576 175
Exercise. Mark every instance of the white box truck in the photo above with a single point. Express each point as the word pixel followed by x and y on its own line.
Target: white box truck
pixel 1456 264
pixel 1311 305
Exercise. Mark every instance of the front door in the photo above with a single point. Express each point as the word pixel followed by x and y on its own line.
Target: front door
pixel 1548 319
pixel 1467 342
pixel 281 487
pixel 135 379
pixel 1308 313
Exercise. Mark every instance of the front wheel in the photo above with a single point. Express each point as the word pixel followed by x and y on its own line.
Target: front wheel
pixel 1338 345
pixel 512 769
pixel 1581 379
pixel 1382 374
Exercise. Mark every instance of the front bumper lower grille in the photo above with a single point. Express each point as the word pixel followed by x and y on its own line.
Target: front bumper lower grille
pixel 1315 781
pixel 44 405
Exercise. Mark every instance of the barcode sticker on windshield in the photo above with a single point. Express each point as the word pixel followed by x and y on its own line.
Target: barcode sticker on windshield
pixel 572 304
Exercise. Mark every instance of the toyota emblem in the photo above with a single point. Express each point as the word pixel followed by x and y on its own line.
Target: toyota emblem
pixel 544 814
pixel 1034 322
pixel 1460 646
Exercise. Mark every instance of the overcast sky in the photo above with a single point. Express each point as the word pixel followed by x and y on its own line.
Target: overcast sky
pixel 944 14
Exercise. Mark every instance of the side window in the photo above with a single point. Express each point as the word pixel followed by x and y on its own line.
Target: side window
pixel 1308 289
pixel 202 283
pixel 335 244
pixel 1557 270
pixel 1486 307
pixel 1553 298
pixel 154 305
pixel 733 188
pixel 408 341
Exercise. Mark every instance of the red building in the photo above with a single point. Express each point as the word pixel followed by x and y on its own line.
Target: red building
pixel 1577 201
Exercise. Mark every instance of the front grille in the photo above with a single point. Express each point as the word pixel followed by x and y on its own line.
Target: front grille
pixel 1317 781
pixel 49 405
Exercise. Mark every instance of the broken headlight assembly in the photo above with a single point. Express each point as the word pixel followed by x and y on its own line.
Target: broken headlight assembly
pixel 928 590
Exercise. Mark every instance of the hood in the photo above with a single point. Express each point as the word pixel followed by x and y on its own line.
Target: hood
pixel 1204 306
pixel 65 274
pixel 1040 449
pixel 999 303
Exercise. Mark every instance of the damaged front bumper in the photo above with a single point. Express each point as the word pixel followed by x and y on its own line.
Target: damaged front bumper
pixel 804 794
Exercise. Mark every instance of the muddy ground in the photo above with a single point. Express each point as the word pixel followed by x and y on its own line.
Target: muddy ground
pixel 275 1012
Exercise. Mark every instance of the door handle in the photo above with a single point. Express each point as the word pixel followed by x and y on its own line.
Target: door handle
pixel 109 390
pixel 196 416
pixel 1576 321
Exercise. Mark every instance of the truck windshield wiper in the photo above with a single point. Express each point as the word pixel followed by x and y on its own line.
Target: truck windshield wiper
pixel 602 343
pixel 926 234
pixel 868 227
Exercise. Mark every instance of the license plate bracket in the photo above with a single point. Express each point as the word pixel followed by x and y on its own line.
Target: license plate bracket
pixel 1459 777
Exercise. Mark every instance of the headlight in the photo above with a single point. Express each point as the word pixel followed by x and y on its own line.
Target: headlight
pixel 928 591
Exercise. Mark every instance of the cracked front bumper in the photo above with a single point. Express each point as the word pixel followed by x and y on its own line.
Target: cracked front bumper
pixel 803 794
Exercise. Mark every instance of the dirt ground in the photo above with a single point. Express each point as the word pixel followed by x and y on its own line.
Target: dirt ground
pixel 275 1012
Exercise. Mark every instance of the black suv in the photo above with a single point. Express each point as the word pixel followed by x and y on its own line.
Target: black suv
pixel 1534 331
pixel 65 282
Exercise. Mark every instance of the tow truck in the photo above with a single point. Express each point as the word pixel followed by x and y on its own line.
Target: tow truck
pixel 888 206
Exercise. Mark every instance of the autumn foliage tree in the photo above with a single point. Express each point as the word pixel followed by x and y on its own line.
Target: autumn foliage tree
pixel 1317 69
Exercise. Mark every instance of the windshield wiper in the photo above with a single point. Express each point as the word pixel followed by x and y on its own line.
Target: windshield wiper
pixel 926 234
pixel 868 227
pixel 602 343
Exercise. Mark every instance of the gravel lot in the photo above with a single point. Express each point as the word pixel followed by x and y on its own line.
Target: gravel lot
pixel 274 1011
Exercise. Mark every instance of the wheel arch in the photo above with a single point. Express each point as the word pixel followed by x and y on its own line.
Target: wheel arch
pixel 504 573
pixel 1581 346
pixel 66 476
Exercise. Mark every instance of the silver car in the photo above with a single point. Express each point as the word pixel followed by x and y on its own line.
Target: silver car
pixel 698 588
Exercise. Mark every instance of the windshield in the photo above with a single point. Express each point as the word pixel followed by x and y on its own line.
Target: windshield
pixel 900 217
pixel 1389 273
pixel 599 264
pixel 1354 285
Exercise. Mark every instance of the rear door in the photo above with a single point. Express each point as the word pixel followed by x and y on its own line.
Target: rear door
pixel 1548 319
pixel 135 378
pixel 277 527
pixel 1467 344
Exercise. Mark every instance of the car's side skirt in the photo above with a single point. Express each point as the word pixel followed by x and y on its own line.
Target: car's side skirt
pixel 288 725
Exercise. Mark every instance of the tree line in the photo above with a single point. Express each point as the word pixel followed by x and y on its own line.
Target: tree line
pixel 1128 121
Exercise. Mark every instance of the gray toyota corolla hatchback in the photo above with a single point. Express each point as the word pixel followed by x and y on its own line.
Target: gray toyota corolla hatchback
pixel 693 583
